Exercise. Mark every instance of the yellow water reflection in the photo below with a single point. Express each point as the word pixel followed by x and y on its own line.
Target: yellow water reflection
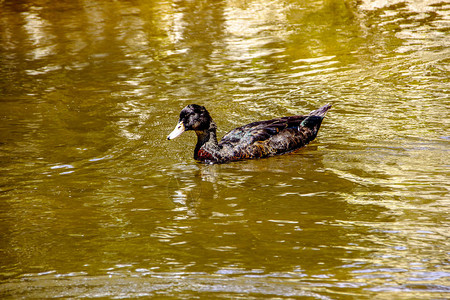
pixel 94 200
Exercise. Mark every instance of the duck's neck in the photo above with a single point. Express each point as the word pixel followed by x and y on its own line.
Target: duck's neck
pixel 207 140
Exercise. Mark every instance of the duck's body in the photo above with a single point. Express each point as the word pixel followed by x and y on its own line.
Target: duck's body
pixel 254 140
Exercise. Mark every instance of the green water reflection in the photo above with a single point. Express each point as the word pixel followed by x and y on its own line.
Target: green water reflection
pixel 95 202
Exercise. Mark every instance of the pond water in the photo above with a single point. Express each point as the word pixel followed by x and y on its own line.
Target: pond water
pixel 96 203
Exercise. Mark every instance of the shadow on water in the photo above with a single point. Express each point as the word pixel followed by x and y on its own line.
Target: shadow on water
pixel 270 203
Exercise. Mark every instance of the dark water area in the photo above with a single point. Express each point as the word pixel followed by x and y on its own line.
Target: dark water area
pixel 96 203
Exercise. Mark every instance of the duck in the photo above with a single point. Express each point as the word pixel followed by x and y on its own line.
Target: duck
pixel 259 139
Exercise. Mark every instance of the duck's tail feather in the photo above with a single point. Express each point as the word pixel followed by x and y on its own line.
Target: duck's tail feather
pixel 321 111
pixel 315 118
pixel 312 122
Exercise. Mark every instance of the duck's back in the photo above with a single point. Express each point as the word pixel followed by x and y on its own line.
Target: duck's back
pixel 266 138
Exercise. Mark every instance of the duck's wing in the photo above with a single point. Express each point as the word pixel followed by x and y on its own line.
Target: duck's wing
pixel 260 131
pixel 276 136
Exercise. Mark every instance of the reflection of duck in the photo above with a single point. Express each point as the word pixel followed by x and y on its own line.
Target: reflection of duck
pixel 254 140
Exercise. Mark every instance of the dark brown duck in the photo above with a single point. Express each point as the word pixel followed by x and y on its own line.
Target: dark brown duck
pixel 254 140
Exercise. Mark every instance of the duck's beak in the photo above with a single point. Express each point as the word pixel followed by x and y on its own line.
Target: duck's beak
pixel 179 129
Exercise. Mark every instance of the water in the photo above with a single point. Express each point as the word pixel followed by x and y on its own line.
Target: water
pixel 95 202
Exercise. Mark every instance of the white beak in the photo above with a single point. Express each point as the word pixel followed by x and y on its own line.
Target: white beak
pixel 179 129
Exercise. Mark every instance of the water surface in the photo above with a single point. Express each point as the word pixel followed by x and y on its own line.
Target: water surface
pixel 95 202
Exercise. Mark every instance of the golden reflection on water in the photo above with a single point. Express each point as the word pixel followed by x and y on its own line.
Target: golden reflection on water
pixel 93 195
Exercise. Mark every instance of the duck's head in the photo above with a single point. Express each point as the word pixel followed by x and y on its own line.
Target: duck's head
pixel 192 117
